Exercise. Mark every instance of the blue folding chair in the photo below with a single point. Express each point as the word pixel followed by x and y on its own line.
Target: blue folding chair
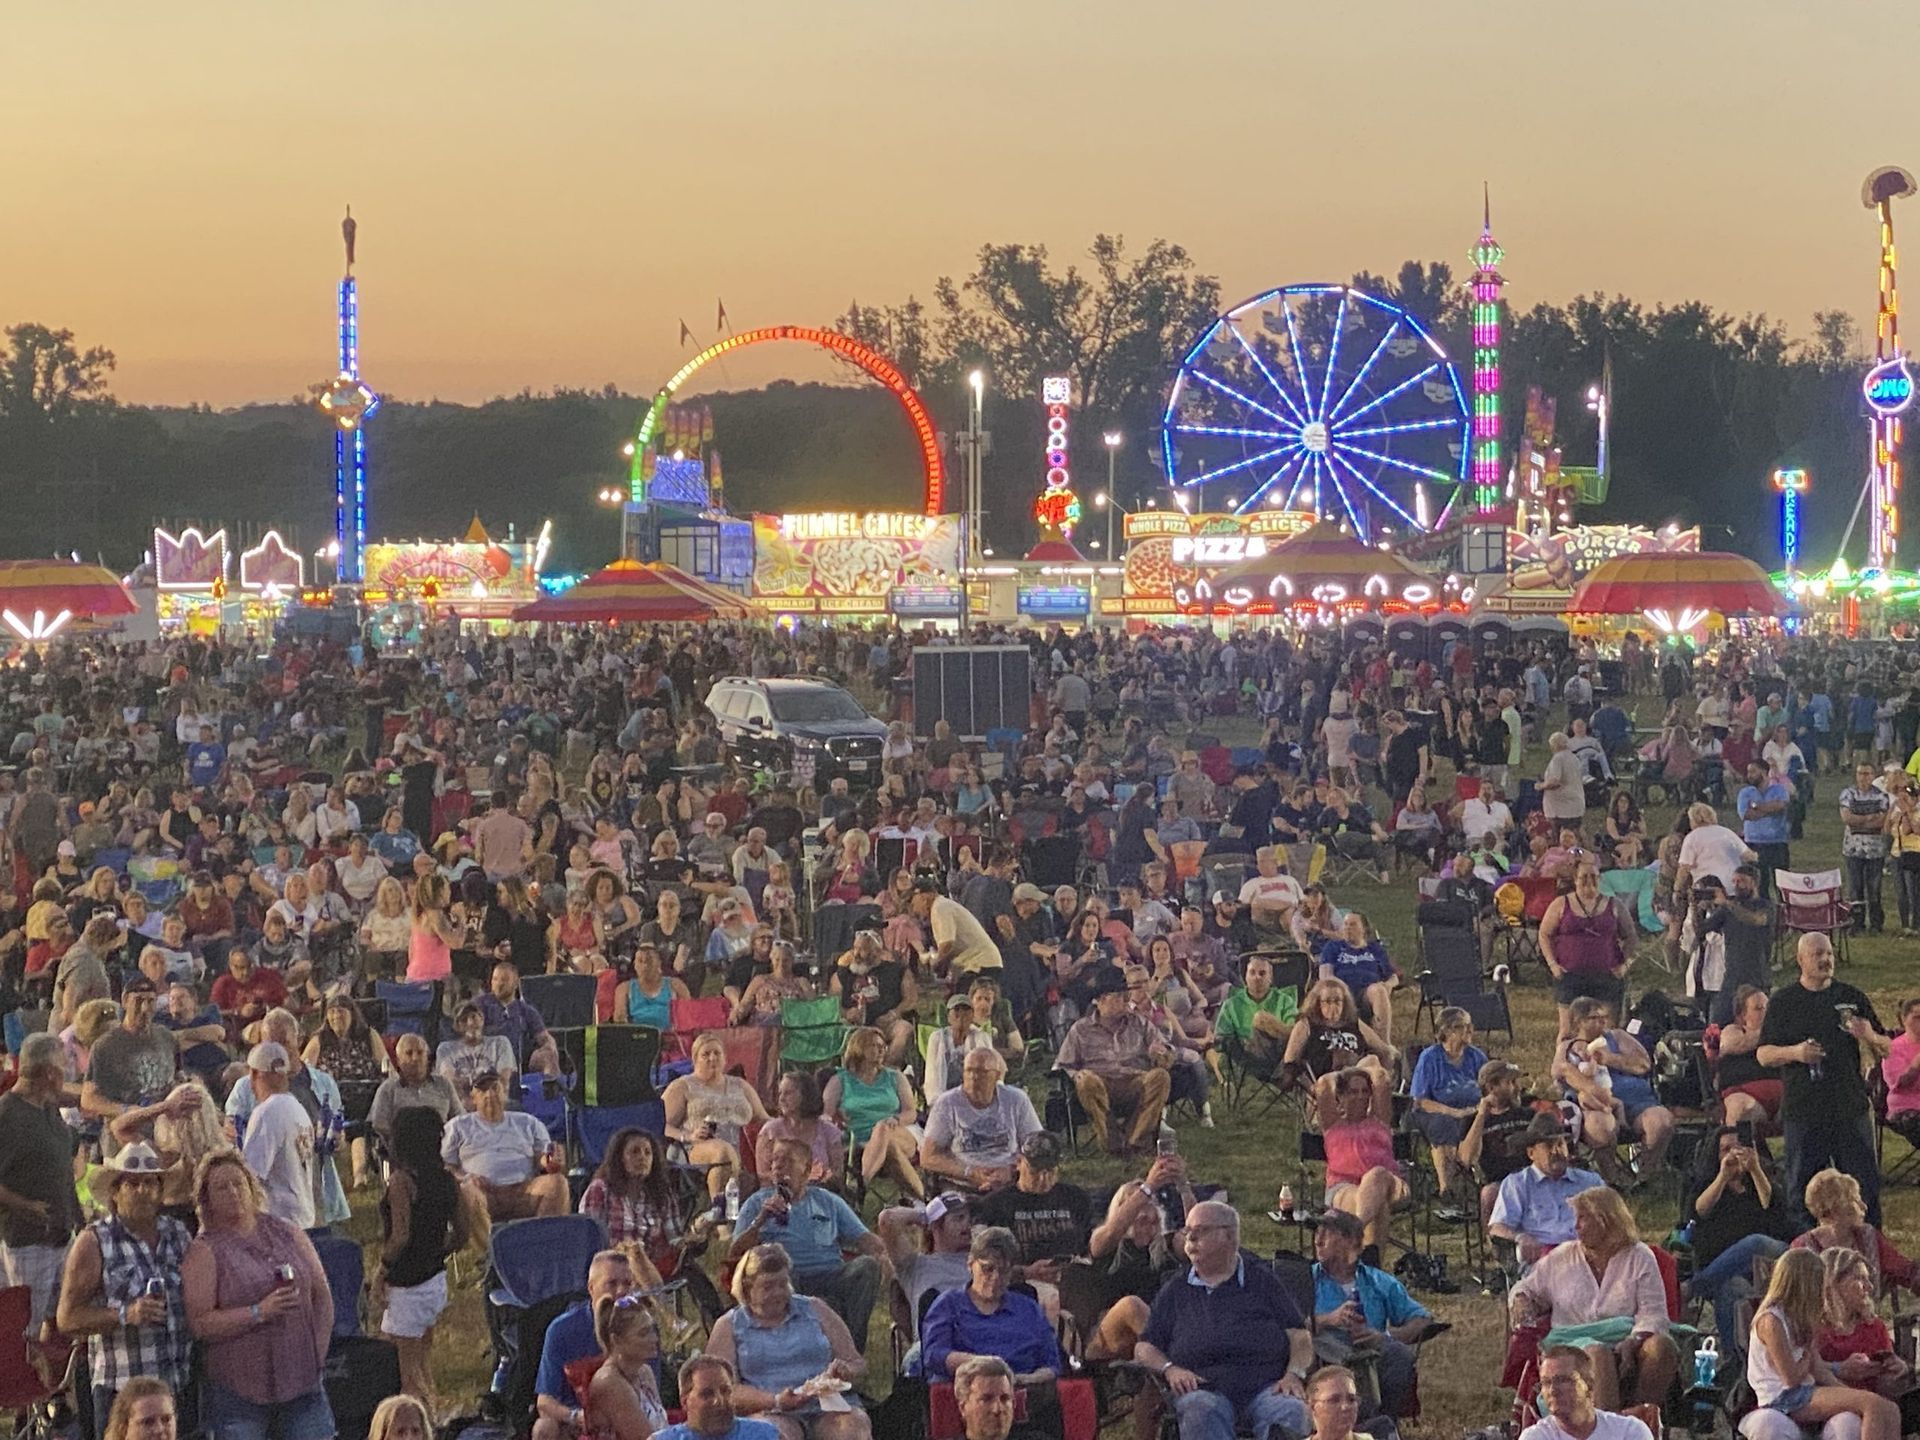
pixel 115 859
pixel 534 1260
pixel 565 1002
pixel 545 1098
pixel 413 1008
pixel 596 1125
pixel 346 1269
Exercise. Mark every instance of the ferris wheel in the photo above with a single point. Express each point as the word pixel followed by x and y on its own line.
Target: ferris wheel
pixel 1322 398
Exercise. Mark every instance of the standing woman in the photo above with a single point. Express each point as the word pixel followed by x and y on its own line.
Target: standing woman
pixel 259 1304
pixel 424 1224
pixel 1583 941
pixel 433 934
pixel 1905 830
pixel 873 1103
pixel 515 930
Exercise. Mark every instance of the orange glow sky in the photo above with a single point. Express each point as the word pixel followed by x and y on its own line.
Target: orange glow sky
pixel 545 188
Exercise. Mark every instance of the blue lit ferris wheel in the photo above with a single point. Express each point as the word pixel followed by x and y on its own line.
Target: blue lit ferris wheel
pixel 1322 398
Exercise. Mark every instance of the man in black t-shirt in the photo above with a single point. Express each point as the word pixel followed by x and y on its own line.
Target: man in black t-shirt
pixel 1814 1034
pixel 1048 1216
pixel 1495 1142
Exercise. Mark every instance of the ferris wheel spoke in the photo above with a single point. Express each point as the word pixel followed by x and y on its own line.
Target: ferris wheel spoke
pixel 1385 499
pixel 1212 475
pixel 1253 500
pixel 1340 489
pixel 1354 383
pixel 1299 479
pixel 1299 417
pixel 1214 382
pixel 1235 430
pixel 1299 358
pixel 1425 471
pixel 1333 355
pixel 1444 423
pixel 1386 395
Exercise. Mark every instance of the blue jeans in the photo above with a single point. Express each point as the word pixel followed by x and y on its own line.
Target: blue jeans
pixel 1729 1280
pixel 1209 1415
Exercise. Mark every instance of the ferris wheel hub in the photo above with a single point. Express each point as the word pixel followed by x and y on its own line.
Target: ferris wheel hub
pixel 1313 436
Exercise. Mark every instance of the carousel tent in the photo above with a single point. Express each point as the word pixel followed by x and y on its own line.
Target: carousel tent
pixel 1676 590
pixel 630 592
pixel 39 597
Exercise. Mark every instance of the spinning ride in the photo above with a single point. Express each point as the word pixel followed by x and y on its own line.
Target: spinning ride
pixel 1321 397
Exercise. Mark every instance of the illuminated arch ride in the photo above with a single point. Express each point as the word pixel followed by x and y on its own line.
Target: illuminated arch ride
pixel 847 348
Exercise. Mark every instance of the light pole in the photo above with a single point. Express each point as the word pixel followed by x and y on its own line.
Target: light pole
pixel 1112 439
pixel 1597 402
pixel 973 438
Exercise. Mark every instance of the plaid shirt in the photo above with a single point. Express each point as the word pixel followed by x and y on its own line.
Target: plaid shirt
pixel 126 1264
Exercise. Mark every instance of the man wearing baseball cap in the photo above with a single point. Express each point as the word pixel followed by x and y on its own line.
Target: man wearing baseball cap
pixel 278 1145
pixel 1051 1218
pixel 928 1248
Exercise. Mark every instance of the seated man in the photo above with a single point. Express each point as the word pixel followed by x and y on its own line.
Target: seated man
pixel 508 1158
pixel 569 1338
pixel 199 1032
pixel 706 1390
pixel 1214 1336
pixel 411 1083
pixel 1256 1020
pixel 246 992
pixel 816 1227
pixel 503 1012
pixel 1352 831
pixel 1531 1209
pixel 473 1052
pixel 1272 893
pixel 946 1228
pixel 1566 1382
pixel 975 1130
pixel 1358 1305
pixel 1050 1219
pixel 1117 1062
pixel 1494 1146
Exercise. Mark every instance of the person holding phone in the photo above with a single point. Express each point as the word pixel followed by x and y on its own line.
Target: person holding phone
pixel 1051 1219
pixel 1738 1213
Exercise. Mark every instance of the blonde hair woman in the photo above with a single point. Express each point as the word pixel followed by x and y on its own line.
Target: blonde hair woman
pixel 385 934
pixel 433 933
pixel 622 1401
pixel 709 1110
pixel 873 1103
pixel 189 1128
pixel 1840 1218
pixel 400 1417
pixel 777 1341
pixel 1854 1340
pixel 1784 1366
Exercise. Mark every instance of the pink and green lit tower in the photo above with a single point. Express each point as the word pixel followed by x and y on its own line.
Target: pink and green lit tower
pixel 1485 473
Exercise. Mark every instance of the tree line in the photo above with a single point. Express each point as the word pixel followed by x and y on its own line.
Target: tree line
pixel 1705 405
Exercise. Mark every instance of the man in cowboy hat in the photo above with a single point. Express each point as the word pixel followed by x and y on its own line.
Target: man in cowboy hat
pixel 1532 1209
pixel 121 1286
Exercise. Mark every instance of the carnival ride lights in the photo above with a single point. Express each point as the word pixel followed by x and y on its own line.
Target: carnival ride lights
pixel 1057 507
pixel 1272 387
pixel 1488 481
pixel 845 346
pixel 1888 386
pixel 350 404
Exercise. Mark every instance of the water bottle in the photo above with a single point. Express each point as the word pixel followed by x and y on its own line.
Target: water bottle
pixel 1706 1363
pixel 1285 1202
pixel 733 1199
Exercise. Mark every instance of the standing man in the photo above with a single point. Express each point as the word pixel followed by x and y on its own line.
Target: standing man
pixel 1814 1034
pixel 501 842
pixel 1748 933
pixel 278 1146
pixel 1865 811
pixel 132 1066
pixel 1765 823
pixel 961 946
pixel 39 1210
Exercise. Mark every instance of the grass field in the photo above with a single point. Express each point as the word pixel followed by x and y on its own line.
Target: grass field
pixel 1254 1158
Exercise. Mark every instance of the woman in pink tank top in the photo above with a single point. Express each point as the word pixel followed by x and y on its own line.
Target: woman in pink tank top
pixel 1363 1178
pixel 430 943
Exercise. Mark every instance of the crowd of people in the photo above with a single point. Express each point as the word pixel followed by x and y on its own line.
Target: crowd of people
pixel 226 862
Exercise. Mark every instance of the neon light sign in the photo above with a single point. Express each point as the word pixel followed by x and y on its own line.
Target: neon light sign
pixel 1791 484
pixel 1057 507
pixel 1889 386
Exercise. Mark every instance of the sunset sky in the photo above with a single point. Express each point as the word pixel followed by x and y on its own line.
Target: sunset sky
pixel 544 189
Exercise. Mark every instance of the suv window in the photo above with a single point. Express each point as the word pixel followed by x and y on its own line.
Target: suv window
pixel 807 706
pixel 754 708
pixel 726 704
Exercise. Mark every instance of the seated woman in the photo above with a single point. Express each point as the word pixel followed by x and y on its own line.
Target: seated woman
pixel 1359 961
pixel 1606 1274
pixel 1901 1069
pixel 1606 1072
pixel 647 999
pixel 759 1003
pixel 1446 1090
pixel 1854 1340
pixel 622 1401
pixel 1329 1037
pixel 1624 830
pixel 1748 1090
pixel 747 966
pixel 1783 1360
pixel 984 1317
pixel 1840 1218
pixel 873 1103
pixel 1191 1077
pixel 1316 920
pixel 709 1110
pixel 1738 1214
pixel 777 1342
pixel 634 1197
pixel 877 990
pixel 1417 830
pixel 1177 993
pixel 799 1114
pixel 1363 1177
pixel 1134 1255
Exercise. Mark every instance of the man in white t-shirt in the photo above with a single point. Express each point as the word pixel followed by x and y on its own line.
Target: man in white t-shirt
pixel 961 945
pixel 278 1145
pixel 504 1155
pixel 1272 893
pixel 1566 1382
pixel 1709 849
pixel 1486 814
pixel 974 1130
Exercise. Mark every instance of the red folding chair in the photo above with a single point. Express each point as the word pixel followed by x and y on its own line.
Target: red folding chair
pixel 24 1383
pixel 1079 1411
pixel 690 1018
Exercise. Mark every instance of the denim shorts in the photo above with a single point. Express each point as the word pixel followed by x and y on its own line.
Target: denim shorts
pixel 233 1417
pixel 1789 1401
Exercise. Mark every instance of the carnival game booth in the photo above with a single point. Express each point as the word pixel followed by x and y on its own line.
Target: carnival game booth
pixel 198 587
pixel 473 578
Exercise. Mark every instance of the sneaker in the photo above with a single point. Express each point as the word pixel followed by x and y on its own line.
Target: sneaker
pixel 1206 1116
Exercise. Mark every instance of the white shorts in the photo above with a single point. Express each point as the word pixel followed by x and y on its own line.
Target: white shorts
pixel 412 1309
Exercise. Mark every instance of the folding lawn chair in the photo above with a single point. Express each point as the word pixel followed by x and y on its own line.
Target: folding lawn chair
pixel 811 1033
